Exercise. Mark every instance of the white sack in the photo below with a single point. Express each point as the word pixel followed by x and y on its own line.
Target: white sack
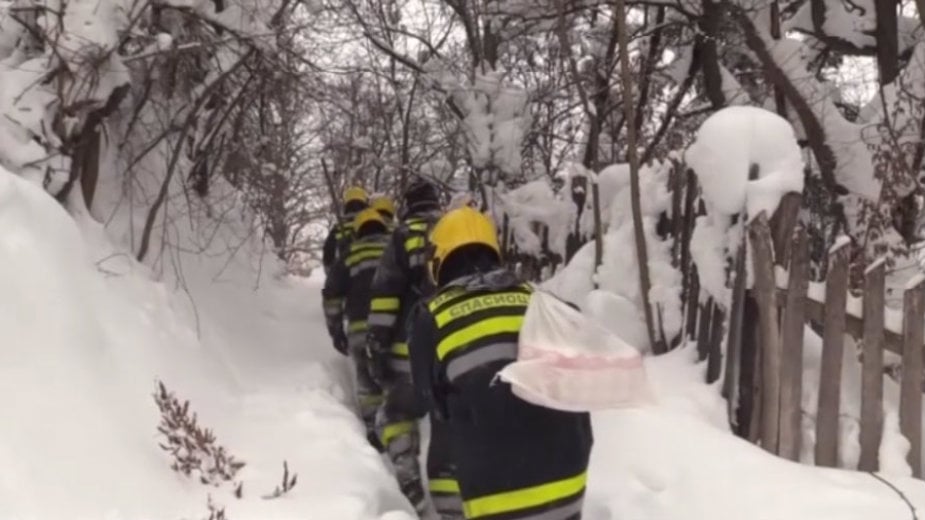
pixel 566 361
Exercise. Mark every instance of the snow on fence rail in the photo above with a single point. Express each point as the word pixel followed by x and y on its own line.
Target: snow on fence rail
pixel 764 344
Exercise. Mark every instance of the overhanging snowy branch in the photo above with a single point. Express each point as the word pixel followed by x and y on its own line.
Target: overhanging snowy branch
pixel 815 133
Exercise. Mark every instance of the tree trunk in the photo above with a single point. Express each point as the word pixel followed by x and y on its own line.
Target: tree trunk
pixel 642 254
pixel 712 74
pixel 887 40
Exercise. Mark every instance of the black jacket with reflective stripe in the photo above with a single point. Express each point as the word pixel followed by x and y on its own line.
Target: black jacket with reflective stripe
pixel 351 276
pixel 502 442
pixel 337 242
pixel 401 279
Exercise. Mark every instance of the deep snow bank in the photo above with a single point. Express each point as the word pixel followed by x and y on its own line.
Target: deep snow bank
pixel 84 334
pixel 677 460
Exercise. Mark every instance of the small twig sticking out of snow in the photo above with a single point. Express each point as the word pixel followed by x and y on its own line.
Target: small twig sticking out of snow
pixel 287 485
pixel 109 272
pixel 215 512
pixel 902 495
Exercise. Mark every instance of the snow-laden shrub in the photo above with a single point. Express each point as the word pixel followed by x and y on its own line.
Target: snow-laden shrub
pixel 617 278
pixel 194 449
pixel 494 117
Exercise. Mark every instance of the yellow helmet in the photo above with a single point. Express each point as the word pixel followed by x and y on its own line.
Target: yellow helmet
pixel 365 217
pixel 461 227
pixel 383 204
pixel 355 194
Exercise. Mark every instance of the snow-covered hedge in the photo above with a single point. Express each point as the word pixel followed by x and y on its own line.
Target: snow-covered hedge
pixel 615 284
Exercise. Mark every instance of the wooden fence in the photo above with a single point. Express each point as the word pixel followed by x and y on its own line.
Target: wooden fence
pixel 763 337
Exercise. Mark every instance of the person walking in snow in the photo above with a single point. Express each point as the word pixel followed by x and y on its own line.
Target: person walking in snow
pixel 347 292
pixel 515 460
pixel 338 239
pixel 400 281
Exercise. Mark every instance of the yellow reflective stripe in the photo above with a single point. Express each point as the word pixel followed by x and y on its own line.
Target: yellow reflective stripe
pixel 442 298
pixel 478 303
pixel 444 485
pixel 356 326
pixel 524 498
pixel 359 256
pixel 415 243
pixel 486 327
pixel 363 245
pixel 344 229
pixel 418 226
pixel 400 349
pixel 371 400
pixel 384 304
pixel 394 430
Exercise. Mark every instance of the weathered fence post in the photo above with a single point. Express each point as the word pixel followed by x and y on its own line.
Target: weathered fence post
pixel 793 324
pixel 692 301
pixel 836 294
pixel 748 413
pixel 910 400
pixel 734 333
pixel 759 232
pixel 690 283
pixel 703 329
pixel 598 228
pixel 872 371
pixel 715 350
pixel 676 183
pixel 782 224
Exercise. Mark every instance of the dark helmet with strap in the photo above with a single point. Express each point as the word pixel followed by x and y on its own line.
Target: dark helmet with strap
pixel 421 195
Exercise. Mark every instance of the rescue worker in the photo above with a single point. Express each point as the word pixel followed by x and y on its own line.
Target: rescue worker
pixel 384 205
pixel 338 239
pixel 346 292
pixel 514 460
pixel 401 281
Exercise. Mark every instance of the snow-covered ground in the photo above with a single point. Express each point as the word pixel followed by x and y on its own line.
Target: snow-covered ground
pixel 86 332
pixel 677 460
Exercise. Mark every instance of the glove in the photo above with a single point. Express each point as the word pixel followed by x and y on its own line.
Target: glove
pixel 376 361
pixel 340 341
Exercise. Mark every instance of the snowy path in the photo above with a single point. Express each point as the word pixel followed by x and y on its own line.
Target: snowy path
pixel 296 405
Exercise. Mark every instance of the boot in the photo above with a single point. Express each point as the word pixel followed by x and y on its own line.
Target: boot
pixel 408 474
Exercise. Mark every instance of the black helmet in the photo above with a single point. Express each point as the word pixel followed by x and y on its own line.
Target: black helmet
pixel 421 195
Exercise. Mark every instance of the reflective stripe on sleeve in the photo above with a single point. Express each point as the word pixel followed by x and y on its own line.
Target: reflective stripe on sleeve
pixel 384 304
pixel 391 431
pixel 443 485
